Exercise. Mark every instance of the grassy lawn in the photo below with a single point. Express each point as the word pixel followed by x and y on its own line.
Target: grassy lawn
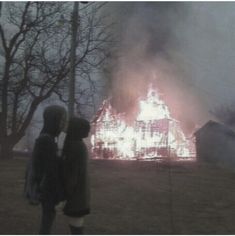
pixel 132 197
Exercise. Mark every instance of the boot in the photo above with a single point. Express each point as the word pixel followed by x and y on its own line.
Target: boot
pixel 76 230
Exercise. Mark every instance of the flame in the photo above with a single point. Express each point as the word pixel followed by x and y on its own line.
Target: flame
pixel 154 133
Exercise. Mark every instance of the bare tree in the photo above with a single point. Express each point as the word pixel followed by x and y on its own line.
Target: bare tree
pixel 35 38
pixel 92 52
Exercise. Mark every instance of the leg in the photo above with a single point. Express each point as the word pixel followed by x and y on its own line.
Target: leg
pixel 76 225
pixel 48 216
pixel 76 230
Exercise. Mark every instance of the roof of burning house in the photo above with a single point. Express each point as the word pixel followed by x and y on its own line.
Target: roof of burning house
pixel 104 106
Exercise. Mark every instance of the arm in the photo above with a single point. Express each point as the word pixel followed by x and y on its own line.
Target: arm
pixel 74 168
pixel 71 170
pixel 44 161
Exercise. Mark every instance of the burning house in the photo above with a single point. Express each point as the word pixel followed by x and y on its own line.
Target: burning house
pixel 153 134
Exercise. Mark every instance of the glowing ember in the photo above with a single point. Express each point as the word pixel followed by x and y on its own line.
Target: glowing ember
pixel 153 134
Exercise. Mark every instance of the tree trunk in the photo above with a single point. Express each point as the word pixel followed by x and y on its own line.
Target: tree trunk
pixel 7 144
pixel 6 149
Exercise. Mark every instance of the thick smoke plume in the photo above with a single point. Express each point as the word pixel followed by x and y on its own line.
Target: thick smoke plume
pixel 159 44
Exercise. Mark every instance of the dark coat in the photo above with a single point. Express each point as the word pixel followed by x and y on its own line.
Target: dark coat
pixel 46 165
pixel 76 180
pixel 43 175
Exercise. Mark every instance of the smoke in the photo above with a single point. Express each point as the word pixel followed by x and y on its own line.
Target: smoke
pixel 143 36
pixel 207 52
pixel 183 49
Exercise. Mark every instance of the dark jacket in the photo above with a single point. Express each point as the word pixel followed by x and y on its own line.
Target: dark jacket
pixel 76 180
pixel 46 165
pixel 45 172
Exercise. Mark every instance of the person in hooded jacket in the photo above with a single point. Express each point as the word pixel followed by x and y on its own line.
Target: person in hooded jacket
pixel 76 182
pixel 46 165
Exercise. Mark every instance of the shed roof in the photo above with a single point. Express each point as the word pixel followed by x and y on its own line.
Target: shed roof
pixel 217 127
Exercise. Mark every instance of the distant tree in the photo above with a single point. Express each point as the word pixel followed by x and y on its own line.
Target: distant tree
pixel 35 56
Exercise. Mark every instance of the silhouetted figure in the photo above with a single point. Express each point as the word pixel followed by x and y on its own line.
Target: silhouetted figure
pixel 76 182
pixel 45 183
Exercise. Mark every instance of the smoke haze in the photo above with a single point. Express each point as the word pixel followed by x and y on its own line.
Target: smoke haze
pixel 186 50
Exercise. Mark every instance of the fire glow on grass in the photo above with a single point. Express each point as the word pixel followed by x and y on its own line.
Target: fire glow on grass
pixel 153 134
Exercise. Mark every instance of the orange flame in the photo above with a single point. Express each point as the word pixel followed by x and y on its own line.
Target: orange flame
pixel 153 134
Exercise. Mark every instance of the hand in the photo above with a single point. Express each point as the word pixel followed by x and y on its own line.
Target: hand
pixel 60 206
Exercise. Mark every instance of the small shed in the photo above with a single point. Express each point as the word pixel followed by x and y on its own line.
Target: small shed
pixel 215 143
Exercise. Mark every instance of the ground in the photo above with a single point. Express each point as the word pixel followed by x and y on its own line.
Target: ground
pixel 133 197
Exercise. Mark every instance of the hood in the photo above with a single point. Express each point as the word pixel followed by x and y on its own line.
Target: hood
pixel 54 119
pixel 78 128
